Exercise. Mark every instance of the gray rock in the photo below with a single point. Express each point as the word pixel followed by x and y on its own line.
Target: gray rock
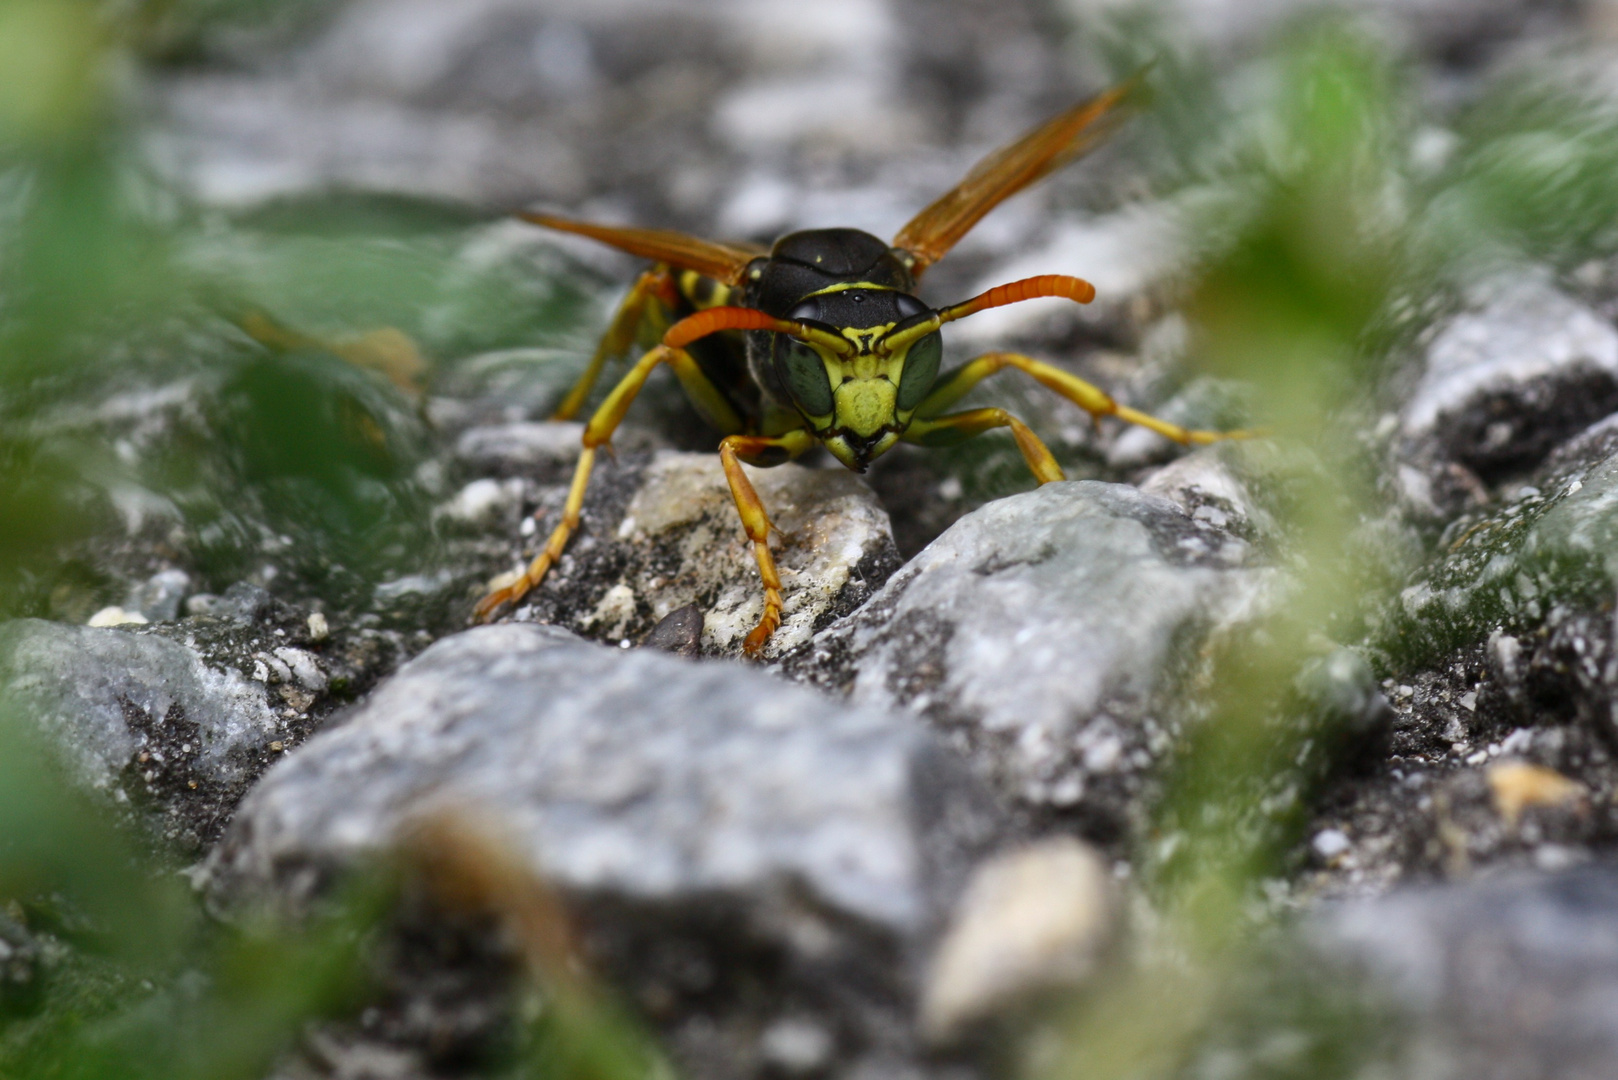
pixel 1502 383
pixel 1551 547
pixel 243 603
pixel 1351 715
pixel 1501 647
pixel 521 448
pixel 1127 255
pixel 1245 488
pixel 159 597
pixel 1040 628
pixel 1500 980
pixel 505 101
pixel 738 851
pixel 143 719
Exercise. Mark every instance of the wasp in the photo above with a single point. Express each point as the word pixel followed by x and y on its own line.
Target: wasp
pixel 822 341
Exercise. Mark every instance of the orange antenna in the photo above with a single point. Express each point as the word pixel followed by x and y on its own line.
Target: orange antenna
pixel 713 320
pixel 1015 292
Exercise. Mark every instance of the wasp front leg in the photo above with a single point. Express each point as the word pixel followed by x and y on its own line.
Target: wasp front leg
pixel 598 432
pixel 761 450
pixel 1092 399
pixel 655 286
pixel 958 427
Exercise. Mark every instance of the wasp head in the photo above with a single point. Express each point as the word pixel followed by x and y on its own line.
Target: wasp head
pixel 866 357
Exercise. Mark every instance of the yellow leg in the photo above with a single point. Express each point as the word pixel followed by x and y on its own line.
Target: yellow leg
pixel 598 432
pixel 958 427
pixel 655 284
pixel 758 448
pixel 1086 396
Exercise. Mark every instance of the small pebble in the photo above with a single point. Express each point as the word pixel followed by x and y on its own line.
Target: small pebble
pixel 797 1047
pixel 116 616
pixel 1032 919
pixel 1519 786
pixel 678 632
pixel 1330 843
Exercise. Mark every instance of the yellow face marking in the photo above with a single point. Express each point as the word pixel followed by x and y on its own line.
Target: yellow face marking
pixel 865 337
pixel 865 406
pixel 910 335
pixel 838 445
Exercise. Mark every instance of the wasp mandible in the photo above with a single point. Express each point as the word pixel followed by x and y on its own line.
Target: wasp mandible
pixel 822 341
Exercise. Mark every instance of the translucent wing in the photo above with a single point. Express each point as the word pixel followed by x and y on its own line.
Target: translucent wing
pixel 931 233
pixel 725 262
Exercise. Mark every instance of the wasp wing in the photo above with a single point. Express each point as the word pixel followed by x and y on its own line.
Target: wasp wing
pixel 724 262
pixel 931 233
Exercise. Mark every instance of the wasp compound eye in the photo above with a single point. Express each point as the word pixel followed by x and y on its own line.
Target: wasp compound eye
pixel 804 373
pixel 920 370
pixel 808 311
pixel 909 307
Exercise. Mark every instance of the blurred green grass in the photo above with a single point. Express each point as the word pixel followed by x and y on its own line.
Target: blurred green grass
pixel 1321 228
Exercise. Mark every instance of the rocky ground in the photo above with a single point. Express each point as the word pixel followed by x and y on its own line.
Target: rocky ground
pixel 932 803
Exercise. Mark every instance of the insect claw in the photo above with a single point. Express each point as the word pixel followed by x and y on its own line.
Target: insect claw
pixel 491 607
pixel 754 645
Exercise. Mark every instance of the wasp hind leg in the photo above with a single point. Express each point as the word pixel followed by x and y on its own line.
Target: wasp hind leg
pixel 1092 399
pixel 656 285
pixel 597 433
pixel 761 450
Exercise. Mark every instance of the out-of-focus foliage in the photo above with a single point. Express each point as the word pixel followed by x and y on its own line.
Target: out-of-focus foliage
pixel 109 285
pixel 1325 229
pixel 127 393
pixel 140 985
pixel 137 983
pixel 1533 166
pixel 1284 305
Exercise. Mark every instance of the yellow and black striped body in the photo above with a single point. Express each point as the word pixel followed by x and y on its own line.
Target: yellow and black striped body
pixel 722 357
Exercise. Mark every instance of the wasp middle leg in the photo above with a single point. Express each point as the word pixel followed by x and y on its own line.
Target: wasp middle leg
pixel 958 427
pixel 1092 399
